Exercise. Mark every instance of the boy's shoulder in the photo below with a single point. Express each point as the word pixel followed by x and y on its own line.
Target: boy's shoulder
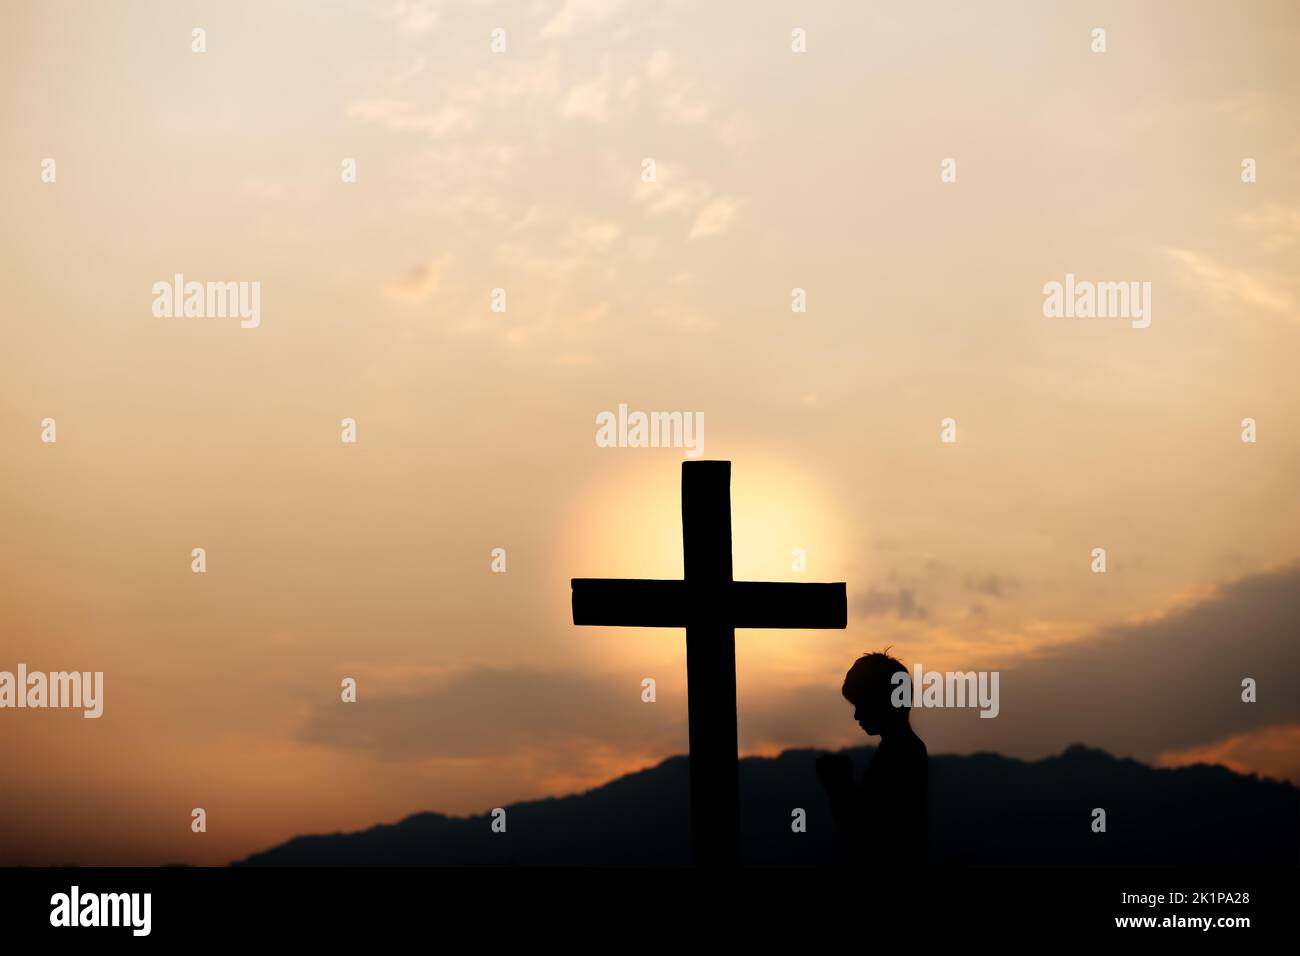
pixel 914 747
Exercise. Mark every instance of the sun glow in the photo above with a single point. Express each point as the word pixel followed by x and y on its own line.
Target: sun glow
pixel 628 524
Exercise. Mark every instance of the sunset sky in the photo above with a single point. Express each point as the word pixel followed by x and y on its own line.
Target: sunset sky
pixel 522 170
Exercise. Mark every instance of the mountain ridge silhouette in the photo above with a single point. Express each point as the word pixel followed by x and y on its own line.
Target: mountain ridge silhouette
pixel 985 808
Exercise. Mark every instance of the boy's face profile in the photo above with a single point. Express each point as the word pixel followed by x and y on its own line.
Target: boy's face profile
pixel 869 687
pixel 870 715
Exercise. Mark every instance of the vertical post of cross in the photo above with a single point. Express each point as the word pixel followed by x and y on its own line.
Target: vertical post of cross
pixel 711 662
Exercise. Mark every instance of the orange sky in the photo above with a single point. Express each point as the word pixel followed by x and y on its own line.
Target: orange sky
pixel 521 170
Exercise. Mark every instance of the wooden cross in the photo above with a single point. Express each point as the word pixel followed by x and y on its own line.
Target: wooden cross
pixel 710 605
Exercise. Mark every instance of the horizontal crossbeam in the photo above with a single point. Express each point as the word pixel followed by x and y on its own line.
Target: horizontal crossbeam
pixel 635 602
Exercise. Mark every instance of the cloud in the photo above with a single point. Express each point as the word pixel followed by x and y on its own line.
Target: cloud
pixel 1156 686
pixel 993 585
pixel 684 319
pixel 660 197
pixel 715 218
pixel 573 14
pixel 901 603
pixel 576 360
pixel 1275 228
pixel 1225 282
pixel 263 189
pixel 675 190
pixel 1163 690
pixel 598 233
pixel 1270 751
pixel 588 100
pixel 1249 108
pixel 401 116
pixel 1166 690
pixel 415 285
pixel 413 16
pixel 499 713
pixel 680 107
pixel 808 714
pixel 659 66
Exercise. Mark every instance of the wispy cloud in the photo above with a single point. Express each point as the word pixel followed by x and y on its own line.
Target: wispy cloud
pixel 415 285
pixel 901 603
pixel 397 115
pixel 994 585
pixel 589 100
pixel 1164 684
pixel 572 15
pixel 1268 751
pixel 529 708
pixel 715 218
pixel 1274 229
pixel 413 16
pixel 675 190
pixel 1226 282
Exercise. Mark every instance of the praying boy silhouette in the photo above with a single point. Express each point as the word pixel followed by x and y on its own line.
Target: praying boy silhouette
pixel 883 820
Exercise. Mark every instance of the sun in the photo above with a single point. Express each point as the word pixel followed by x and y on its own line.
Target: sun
pixel 627 524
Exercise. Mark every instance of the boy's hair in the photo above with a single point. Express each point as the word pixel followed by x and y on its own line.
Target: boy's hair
pixel 871 677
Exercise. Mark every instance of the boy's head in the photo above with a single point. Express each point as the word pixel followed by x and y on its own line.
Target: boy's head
pixel 869 687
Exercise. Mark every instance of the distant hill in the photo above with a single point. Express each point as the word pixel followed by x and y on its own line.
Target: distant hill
pixel 984 809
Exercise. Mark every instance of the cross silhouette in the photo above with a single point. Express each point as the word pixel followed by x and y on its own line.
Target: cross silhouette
pixel 710 605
